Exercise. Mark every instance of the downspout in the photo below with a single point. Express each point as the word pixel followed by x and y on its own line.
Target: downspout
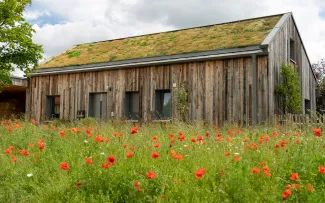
pixel 254 90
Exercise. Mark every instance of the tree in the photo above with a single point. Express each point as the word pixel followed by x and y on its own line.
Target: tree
pixel 319 70
pixel 290 89
pixel 16 46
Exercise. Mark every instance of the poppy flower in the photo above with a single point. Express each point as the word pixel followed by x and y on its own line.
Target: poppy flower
pixel 132 148
pixel 310 188
pixel 317 132
pixel 156 145
pixel 255 170
pixel 30 145
pixel 33 122
pixel 236 158
pixel 245 139
pixel 111 160
pixel 262 163
pixel 321 169
pixel 172 142
pixel 231 133
pixel 137 184
pixel 9 129
pixel 266 171
pixel 178 157
pixel 275 134
pixel 219 139
pixel 199 173
pixel 78 184
pixel 207 133
pixel 154 138
pixel 172 153
pixel 129 154
pixel 99 138
pixel 297 142
pixel 193 140
pixel 125 146
pixel 24 152
pixel 171 135
pixel 155 155
pixel 229 139
pixel 294 177
pixel 151 175
pixel 106 140
pixel 64 166
pixel 134 130
pixel 227 153
pixel 105 165
pixel 286 194
pixel 62 133
pixel 181 137
pixel 89 160
pixel 41 144
pixel 13 158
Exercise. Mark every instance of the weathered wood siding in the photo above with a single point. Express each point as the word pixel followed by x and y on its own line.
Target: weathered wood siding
pixel 218 91
pixel 279 52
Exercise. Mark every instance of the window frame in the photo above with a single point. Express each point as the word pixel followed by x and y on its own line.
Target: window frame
pixel 129 106
pixel 50 110
pixel 159 105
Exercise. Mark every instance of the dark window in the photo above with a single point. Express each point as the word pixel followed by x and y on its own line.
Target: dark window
pixel 292 50
pixel 163 104
pixel 97 105
pixel 132 105
pixel 52 107
pixel 307 106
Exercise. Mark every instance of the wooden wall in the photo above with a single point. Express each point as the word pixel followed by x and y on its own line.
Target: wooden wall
pixel 218 91
pixel 279 52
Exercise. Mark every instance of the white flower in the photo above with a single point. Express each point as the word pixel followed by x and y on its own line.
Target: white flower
pixel 102 153
pixel 185 145
pixel 29 175
pixel 208 148
pixel 236 153
pixel 86 141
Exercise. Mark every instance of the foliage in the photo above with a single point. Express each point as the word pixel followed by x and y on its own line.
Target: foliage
pixel 290 89
pixel 182 104
pixel 16 46
pixel 319 70
pixel 38 177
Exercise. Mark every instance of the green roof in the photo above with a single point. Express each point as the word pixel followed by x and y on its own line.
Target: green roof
pixel 243 33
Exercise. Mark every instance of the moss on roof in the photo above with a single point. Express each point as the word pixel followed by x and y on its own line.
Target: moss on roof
pixel 229 35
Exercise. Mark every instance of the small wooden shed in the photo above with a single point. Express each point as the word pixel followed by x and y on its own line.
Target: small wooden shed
pixel 229 71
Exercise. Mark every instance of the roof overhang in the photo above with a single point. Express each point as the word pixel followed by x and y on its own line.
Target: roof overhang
pixel 162 60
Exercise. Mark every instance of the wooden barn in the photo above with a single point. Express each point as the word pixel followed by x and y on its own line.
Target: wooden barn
pixel 229 71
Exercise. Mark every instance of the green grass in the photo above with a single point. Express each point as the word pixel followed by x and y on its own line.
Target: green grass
pixel 220 36
pixel 224 181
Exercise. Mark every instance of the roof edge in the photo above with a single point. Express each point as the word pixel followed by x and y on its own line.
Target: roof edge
pixel 161 60
pixel 269 38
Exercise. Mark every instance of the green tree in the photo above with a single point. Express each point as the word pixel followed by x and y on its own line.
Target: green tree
pixel 290 89
pixel 16 46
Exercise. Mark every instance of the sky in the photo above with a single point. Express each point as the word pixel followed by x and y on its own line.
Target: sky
pixel 61 24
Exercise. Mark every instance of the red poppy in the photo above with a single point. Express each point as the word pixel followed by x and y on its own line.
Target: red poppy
pixel 310 188
pixel 255 170
pixel 219 139
pixel 78 184
pixel 132 148
pixel 111 160
pixel 105 165
pixel 266 171
pixel 227 153
pixel 193 140
pixel 129 154
pixel 181 137
pixel 151 175
pixel 297 142
pixel 236 158
pixel 154 138
pixel 275 134
pixel 172 142
pixel 9 129
pixel 286 194
pixel 99 138
pixel 137 184
pixel 199 138
pixel 231 133
pixel 155 155
pixel 134 130
pixel 171 135
pixel 62 133
pixel 317 132
pixel 229 139
pixel 199 173
pixel 24 152
pixel 294 176
pixel 13 158
pixel 207 133
pixel 89 160
pixel 178 157
pixel 125 146
pixel 262 163
pixel 33 122
pixel 321 169
pixel 41 144
pixel 64 166
pixel 156 145
pixel 172 153
pixel 106 140
pixel 245 139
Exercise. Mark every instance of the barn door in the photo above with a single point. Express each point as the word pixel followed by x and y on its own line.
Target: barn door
pixel 97 105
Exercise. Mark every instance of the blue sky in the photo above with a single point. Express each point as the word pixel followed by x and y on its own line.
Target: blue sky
pixel 61 24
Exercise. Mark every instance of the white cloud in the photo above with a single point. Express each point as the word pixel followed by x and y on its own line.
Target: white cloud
pixel 95 20
pixel 33 15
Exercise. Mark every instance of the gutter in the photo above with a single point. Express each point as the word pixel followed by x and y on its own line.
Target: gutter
pixel 180 58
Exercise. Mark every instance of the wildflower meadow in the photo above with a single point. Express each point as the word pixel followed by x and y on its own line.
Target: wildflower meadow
pixel 160 162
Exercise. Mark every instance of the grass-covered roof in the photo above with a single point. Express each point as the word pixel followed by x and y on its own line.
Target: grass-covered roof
pixel 228 35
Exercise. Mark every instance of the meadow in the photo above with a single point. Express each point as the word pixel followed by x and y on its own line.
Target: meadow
pixel 160 162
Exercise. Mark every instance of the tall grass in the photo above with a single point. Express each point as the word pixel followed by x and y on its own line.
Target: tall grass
pixel 225 179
